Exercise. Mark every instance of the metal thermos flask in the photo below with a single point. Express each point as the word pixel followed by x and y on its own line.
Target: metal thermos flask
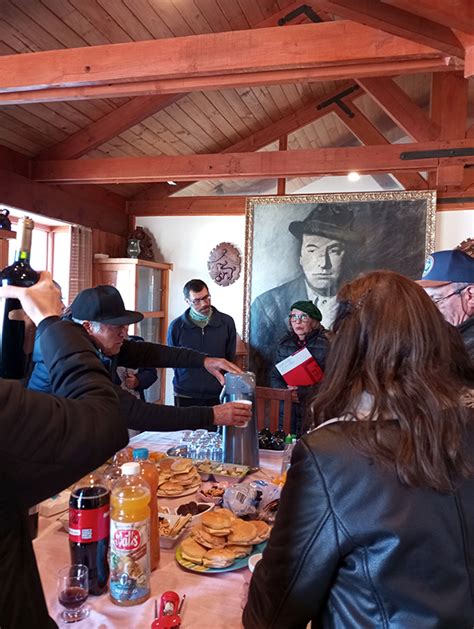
pixel 240 445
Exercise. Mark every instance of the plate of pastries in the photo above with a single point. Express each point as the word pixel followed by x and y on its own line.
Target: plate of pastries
pixel 178 477
pixel 221 542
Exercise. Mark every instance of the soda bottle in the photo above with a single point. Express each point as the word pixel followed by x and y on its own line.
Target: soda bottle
pixel 150 474
pixel 130 538
pixel 89 523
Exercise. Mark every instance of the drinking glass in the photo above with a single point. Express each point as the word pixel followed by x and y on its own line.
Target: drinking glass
pixel 73 590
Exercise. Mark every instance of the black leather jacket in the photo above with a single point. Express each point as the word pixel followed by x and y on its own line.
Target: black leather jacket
pixel 354 548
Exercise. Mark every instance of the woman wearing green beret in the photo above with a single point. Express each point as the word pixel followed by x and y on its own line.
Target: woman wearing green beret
pixel 304 330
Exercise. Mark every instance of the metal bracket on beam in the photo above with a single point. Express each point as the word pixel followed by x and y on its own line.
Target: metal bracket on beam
pixel 338 100
pixel 303 9
pixel 463 152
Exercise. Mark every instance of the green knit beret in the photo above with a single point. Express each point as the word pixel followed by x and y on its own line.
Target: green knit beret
pixel 309 308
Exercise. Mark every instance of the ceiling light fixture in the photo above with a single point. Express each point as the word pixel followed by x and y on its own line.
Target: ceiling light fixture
pixel 353 176
pixel 171 183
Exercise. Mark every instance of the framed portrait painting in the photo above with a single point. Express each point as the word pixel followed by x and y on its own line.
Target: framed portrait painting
pixel 306 247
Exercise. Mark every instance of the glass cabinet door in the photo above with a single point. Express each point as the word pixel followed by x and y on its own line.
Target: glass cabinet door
pixel 149 289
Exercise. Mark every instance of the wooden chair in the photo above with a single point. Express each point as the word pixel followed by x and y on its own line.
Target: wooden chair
pixel 268 403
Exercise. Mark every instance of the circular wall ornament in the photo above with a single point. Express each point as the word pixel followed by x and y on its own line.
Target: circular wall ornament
pixel 224 264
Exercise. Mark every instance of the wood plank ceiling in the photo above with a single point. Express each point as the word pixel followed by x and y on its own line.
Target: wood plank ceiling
pixel 210 121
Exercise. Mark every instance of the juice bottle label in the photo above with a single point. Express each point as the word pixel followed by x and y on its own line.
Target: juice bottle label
pixel 129 560
pixel 89 525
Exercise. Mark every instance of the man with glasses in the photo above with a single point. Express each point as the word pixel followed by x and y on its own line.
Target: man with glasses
pixel 448 279
pixel 203 328
pixel 102 313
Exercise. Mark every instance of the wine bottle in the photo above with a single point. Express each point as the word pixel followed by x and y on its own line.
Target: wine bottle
pixel 13 354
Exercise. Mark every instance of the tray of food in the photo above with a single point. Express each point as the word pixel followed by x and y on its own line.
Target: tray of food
pixel 178 477
pixel 213 470
pixel 221 542
pixel 172 528
pixel 212 492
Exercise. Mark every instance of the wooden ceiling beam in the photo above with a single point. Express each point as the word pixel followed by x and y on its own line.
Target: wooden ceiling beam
pixel 188 206
pixel 115 122
pixel 252 79
pixel 309 162
pixel 61 204
pixel 401 109
pixel 449 97
pixel 396 22
pixel 109 126
pixel 346 92
pixel 458 14
pixel 203 59
pixel 369 135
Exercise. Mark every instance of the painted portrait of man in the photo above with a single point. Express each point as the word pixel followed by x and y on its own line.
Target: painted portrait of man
pixel 314 248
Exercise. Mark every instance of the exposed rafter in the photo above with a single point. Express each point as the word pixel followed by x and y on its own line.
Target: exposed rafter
pixel 211 61
pixel 403 111
pixel 328 161
pixel 458 14
pixel 397 22
pixel 271 133
pixel 369 135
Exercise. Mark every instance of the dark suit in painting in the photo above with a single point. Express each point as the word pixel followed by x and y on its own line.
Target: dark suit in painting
pixel 268 323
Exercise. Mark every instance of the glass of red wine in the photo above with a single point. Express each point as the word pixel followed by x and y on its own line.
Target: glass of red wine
pixel 73 590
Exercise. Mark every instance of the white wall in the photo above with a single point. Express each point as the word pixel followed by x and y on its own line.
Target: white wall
pixel 186 241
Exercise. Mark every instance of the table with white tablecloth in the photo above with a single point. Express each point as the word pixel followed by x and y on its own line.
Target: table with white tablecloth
pixel 212 600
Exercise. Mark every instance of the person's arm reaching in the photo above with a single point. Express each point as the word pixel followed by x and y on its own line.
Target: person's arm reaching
pixel 49 442
pixel 155 355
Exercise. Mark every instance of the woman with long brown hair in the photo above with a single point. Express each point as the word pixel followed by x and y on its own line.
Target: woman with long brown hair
pixel 376 520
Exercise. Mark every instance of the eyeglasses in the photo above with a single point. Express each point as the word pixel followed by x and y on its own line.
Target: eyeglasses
pixel 301 317
pixel 437 300
pixel 198 300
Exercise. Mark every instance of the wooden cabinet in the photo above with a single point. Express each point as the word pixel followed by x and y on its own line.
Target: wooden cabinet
pixel 144 287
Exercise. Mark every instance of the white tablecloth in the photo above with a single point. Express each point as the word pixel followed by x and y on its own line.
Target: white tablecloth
pixel 212 601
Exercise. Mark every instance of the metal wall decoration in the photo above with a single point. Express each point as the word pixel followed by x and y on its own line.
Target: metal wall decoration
pixel 224 264
pixel 305 247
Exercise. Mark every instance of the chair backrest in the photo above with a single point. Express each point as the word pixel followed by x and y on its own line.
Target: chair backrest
pixel 268 401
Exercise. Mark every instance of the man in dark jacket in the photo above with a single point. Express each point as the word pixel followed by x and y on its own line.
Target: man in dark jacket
pixel 48 443
pixel 203 328
pixel 448 279
pixel 102 313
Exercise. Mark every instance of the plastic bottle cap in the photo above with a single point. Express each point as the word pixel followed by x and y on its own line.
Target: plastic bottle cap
pixel 128 469
pixel 140 454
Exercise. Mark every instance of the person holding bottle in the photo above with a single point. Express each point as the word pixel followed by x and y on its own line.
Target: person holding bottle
pixel 48 443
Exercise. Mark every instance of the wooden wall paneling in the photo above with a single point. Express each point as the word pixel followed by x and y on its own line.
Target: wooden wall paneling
pixel 48 21
pixel 172 17
pixel 202 121
pixel 197 125
pixel 76 21
pixel 244 113
pixel 147 15
pixel 214 16
pixel 112 244
pixel 214 104
pixel 234 15
pixel 23 23
pixel 101 21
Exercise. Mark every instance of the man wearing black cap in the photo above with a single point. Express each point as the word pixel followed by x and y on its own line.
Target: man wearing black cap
pixel 324 237
pixel 102 313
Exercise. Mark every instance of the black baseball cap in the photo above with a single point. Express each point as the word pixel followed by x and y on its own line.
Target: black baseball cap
pixel 103 304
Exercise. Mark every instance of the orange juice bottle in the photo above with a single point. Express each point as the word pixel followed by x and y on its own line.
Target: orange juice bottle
pixel 129 538
pixel 150 474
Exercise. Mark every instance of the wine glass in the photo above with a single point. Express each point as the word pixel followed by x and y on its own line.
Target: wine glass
pixel 73 590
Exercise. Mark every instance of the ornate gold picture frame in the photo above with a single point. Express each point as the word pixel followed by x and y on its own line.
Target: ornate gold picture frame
pixel 391 230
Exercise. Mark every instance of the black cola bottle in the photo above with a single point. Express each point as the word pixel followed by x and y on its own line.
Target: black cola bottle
pixel 13 353
pixel 89 527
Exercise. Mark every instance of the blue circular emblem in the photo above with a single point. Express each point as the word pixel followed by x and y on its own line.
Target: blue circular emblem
pixel 429 263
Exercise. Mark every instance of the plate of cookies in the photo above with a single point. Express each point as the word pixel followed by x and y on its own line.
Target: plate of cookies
pixel 221 542
pixel 178 477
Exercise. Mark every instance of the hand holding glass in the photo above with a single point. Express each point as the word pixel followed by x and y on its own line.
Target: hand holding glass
pixel 73 590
